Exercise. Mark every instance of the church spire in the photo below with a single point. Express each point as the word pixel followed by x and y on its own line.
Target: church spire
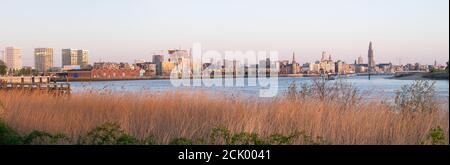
pixel 372 65
pixel 293 57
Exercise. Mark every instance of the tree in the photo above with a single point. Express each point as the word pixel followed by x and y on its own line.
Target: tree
pixel 3 70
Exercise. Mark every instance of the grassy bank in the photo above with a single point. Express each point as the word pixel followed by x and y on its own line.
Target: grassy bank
pixel 305 115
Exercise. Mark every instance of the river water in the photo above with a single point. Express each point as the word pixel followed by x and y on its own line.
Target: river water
pixel 377 86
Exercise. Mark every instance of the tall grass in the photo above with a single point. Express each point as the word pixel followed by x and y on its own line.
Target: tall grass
pixel 197 115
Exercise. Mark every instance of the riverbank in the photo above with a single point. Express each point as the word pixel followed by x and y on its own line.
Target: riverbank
pixel 136 78
pixel 421 76
pixel 110 79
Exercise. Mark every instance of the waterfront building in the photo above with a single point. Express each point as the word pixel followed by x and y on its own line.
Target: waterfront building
pixel 139 61
pixel 342 68
pixel 43 59
pixel 284 67
pixel 324 66
pixel 157 60
pixel 75 57
pixel 295 67
pixel 69 57
pixel 71 67
pixel 149 68
pixel 82 58
pixel 361 68
pixel 13 58
pixel 385 67
pixel 167 67
pixel 288 68
pixel 360 60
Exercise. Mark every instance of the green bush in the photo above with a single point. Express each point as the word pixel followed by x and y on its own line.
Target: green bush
pixel 108 134
pixel 437 136
pixel 45 138
pixel 220 135
pixel 279 139
pixel 8 136
pixel 181 141
pixel 113 134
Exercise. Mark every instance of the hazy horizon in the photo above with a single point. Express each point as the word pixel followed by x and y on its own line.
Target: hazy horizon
pixel 410 30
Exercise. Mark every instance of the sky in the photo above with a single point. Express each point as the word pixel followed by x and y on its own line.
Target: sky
pixel 402 31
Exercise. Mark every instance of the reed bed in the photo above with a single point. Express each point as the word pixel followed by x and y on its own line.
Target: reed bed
pixel 194 115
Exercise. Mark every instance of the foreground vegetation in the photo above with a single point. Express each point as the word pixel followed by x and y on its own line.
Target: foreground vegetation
pixel 320 112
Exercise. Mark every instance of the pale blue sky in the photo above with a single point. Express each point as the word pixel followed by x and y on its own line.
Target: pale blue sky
pixel 124 30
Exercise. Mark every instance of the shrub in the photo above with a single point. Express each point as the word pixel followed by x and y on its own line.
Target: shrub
pixel 279 139
pixel 220 135
pixel 150 140
pixel 324 90
pixel 8 136
pixel 245 138
pixel 44 138
pixel 108 134
pixel 437 136
pixel 417 97
pixel 181 141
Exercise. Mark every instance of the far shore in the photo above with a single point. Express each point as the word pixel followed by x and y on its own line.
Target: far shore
pixel 397 76
pixel 415 76
pixel 421 76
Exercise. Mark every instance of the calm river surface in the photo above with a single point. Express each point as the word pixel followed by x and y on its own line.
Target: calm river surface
pixel 378 85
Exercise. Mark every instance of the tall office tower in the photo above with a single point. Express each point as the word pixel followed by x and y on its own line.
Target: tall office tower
pixel 371 63
pixel 158 60
pixel 69 57
pixel 75 57
pixel 43 59
pixel 82 56
pixel 13 57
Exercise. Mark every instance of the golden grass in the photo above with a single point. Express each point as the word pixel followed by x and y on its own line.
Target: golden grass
pixel 193 115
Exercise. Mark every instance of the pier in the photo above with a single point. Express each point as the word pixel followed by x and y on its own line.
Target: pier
pixel 43 85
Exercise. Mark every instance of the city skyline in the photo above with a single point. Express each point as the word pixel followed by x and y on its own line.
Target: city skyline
pixel 405 31
pixel 80 57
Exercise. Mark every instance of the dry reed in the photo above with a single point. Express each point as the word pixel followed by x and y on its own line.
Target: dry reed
pixel 194 115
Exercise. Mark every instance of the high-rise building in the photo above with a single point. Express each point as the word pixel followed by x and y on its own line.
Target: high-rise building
pixel 13 57
pixel 43 59
pixel 158 60
pixel 371 64
pixel 75 57
pixel 69 57
pixel 83 57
